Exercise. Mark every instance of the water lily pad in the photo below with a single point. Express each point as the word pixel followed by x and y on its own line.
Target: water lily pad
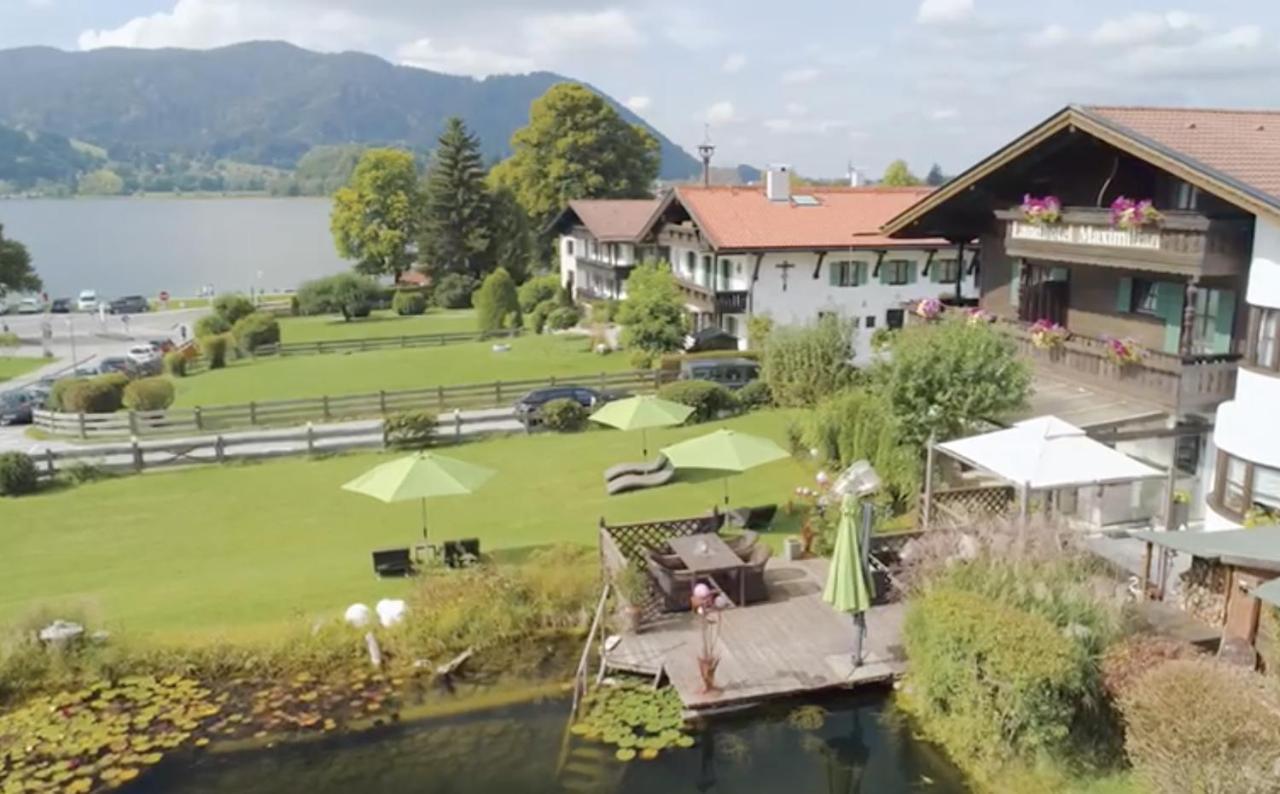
pixel 625 754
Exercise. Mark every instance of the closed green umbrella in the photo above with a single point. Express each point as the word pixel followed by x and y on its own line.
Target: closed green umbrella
pixel 848 587
pixel 724 450
pixel 419 476
pixel 641 413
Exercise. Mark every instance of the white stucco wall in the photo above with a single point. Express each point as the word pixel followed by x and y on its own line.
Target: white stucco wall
pixel 1264 271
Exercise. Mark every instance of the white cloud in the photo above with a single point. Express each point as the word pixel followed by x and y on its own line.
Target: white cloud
pixel 462 59
pixel 795 109
pixel 1051 35
pixel 805 74
pixel 939 12
pixel 611 30
pixel 721 112
pixel 734 63
pixel 944 114
pixel 804 126
pixel 1146 29
pixel 639 103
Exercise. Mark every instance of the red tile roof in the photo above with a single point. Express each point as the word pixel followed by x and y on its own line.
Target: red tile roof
pixel 615 220
pixel 1241 145
pixel 741 218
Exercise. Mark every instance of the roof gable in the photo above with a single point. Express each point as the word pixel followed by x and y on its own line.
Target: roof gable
pixel 609 220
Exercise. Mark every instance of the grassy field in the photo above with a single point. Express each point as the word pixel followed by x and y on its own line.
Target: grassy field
pixel 324 329
pixel 237 551
pixel 13 367
pixel 335 374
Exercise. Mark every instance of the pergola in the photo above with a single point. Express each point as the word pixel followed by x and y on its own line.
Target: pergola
pixel 1041 454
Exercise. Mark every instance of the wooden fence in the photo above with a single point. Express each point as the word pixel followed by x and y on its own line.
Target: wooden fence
pixel 497 394
pixel 377 343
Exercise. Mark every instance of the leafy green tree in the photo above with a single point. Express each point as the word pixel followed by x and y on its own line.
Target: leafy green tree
pixel 102 182
pixel 348 294
pixel 511 238
pixel 378 215
pixel 496 301
pixel 942 378
pixel 232 307
pixel 899 175
pixel 935 177
pixel 576 146
pixel 652 315
pixel 455 232
pixel 538 289
pixel 804 364
pixel 16 273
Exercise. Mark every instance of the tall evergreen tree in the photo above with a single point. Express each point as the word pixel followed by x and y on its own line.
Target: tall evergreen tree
pixel 935 177
pixel 511 244
pixel 456 231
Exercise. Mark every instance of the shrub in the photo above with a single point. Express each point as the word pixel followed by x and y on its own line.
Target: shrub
pixel 564 415
pixel 759 327
pixel 211 325
pixel 754 395
pixel 805 364
pixel 232 307
pixel 148 394
pixel 538 317
pixel 17 474
pixel 101 395
pixel 409 430
pixel 652 315
pixel 990 682
pixel 1200 726
pixel 295 307
pixel 256 330
pixel 348 294
pixel 1128 660
pixel 641 359
pixel 605 311
pixel 175 363
pixel 454 291
pixel 538 289
pixel 214 348
pixel 706 398
pixel 563 317
pixel 858 424
pixel 58 394
pixel 8 339
pixel 495 300
pixel 409 304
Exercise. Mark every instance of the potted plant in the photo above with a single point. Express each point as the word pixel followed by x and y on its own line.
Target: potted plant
pixel 632 585
pixel 979 316
pixel 1123 352
pixel 1046 335
pixel 1129 214
pixel 1181 509
pixel 929 309
pixel 1041 209
pixel 707 607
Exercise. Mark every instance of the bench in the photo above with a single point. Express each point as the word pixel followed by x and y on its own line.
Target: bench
pixel 393 562
pixel 461 553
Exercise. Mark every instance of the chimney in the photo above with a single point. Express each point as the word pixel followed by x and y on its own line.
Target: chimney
pixel 856 179
pixel 777 183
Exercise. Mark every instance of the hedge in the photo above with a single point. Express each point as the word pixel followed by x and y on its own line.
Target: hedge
pixel 409 304
pixel 58 394
pixel 17 474
pixel 101 395
pixel 232 308
pixel 148 394
pixel 175 363
pixel 214 348
pixel 754 395
pixel 255 330
pixel 211 325
pixel 409 430
pixel 564 415
pixel 563 318
pixel 453 291
pixel 706 398
pixel 992 683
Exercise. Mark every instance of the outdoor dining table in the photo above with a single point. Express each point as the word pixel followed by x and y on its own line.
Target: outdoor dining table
pixel 706 554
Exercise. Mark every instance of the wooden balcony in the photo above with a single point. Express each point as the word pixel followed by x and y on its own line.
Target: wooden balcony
pixel 1195 383
pixel 731 302
pixel 1182 243
pixel 696 295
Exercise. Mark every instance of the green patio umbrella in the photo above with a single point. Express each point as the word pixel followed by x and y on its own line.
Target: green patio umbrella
pixel 419 476
pixel 724 450
pixel 641 413
pixel 849 589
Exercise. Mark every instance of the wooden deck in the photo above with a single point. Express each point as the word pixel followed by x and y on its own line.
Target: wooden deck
pixel 790 645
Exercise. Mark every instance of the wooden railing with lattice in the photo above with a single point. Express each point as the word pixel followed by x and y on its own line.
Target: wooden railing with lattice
pixel 626 544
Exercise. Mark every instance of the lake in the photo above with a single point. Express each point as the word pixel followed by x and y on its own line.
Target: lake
pixel 122 246
pixel 861 745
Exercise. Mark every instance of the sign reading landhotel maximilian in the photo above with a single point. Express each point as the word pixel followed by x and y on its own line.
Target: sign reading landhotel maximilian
pixel 1085 234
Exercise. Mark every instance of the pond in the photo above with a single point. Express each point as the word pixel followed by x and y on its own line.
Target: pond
pixel 860 745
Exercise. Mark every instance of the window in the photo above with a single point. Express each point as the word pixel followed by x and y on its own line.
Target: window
pixel 730 325
pixel 690 262
pixel 870 321
pixel 1264 344
pixel 1241 486
pixel 897 272
pixel 1142 297
pixel 1186 197
pixel 945 271
pixel 894 318
pixel 848 274
pixel 568 246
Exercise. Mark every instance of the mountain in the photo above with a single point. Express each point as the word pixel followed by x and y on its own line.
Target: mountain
pixel 28 159
pixel 264 103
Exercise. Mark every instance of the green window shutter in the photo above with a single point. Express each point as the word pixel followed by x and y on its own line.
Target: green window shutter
pixel 832 278
pixel 1170 296
pixel 1224 319
pixel 935 270
pixel 860 274
pixel 884 271
pixel 911 272
pixel 1124 295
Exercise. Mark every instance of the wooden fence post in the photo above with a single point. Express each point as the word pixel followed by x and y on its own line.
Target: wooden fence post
pixel 325 406
pixel 84 433
pixel 219 449
pixel 311 440
pixel 497 392
pixel 657 379
pixel 382 401
pixel 457 425
pixel 48 461
pixel 133 424
pixel 253 412
pixel 603 380
pixel 199 419
pixel 440 396
pixel 137 453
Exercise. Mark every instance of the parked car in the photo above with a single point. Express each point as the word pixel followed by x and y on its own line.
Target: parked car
pixel 16 407
pixel 145 356
pixel 528 408
pixel 119 364
pixel 60 306
pixel 88 301
pixel 30 306
pixel 129 304
pixel 732 373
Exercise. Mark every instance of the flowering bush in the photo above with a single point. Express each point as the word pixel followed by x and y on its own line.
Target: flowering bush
pixel 1129 214
pixel 929 308
pixel 1048 335
pixel 1123 351
pixel 1042 209
pixel 978 316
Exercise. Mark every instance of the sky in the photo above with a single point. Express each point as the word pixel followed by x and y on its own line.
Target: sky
pixel 816 84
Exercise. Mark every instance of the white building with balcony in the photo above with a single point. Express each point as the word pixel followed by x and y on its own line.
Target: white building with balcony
pixel 599 242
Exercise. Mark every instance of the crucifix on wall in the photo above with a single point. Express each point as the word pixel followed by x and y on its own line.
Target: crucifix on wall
pixel 785 267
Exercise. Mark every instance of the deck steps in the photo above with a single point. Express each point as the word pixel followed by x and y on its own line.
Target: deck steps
pixel 589 769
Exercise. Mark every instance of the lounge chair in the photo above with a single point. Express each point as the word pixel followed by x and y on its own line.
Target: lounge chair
pixel 622 469
pixel 744 544
pixel 393 562
pixel 753 517
pixel 636 482
pixel 676 586
pixel 461 553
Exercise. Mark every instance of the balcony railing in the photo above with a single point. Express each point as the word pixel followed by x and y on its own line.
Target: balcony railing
pixel 597 261
pixel 731 302
pixel 1195 383
pixel 1185 243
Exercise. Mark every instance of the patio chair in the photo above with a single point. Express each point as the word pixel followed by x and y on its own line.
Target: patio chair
pixel 461 553
pixel 754 585
pixel 393 562
pixel 676 586
pixel 753 517
pixel 614 472
pixel 744 544
pixel 671 562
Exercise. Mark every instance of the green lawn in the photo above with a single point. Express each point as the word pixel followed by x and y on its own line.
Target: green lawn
pixel 13 367
pixel 238 551
pixel 352 373
pixel 385 323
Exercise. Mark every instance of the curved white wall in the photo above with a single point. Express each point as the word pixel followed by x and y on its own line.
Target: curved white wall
pixel 1249 431
pixel 1264 272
